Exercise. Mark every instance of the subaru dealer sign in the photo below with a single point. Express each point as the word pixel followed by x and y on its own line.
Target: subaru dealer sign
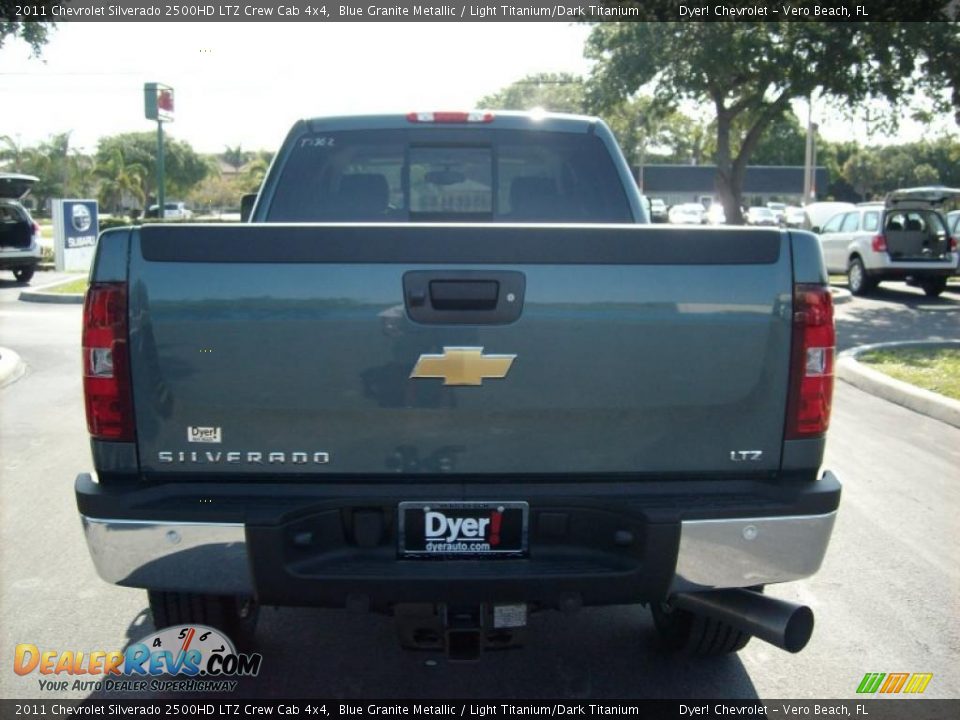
pixel 75 229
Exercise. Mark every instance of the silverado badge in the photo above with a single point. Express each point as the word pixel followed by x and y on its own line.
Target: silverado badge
pixel 462 366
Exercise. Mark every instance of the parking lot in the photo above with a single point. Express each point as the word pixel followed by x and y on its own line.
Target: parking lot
pixel 886 599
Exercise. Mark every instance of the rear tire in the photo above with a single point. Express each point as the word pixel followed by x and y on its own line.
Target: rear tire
pixel 232 614
pixel 857 280
pixel 932 287
pixel 23 275
pixel 682 631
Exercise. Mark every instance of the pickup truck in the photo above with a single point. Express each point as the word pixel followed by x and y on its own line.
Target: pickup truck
pixel 448 371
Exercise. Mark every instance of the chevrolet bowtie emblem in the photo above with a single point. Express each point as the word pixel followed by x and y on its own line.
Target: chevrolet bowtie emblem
pixel 462 366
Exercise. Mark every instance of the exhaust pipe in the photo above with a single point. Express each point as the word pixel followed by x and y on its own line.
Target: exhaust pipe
pixel 779 622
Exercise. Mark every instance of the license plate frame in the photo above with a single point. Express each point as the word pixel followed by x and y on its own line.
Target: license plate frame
pixel 413 540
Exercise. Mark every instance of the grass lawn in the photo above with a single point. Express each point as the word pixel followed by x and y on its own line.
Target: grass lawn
pixel 932 369
pixel 73 287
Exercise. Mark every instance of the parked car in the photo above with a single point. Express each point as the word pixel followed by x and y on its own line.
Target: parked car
pixel 779 211
pixel 816 214
pixel 758 215
pixel 658 210
pixel 687 214
pixel 953 222
pixel 794 216
pixel 171 211
pixel 19 234
pixel 716 214
pixel 903 238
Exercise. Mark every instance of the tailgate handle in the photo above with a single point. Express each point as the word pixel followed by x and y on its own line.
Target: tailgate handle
pixel 464 297
pixel 464 294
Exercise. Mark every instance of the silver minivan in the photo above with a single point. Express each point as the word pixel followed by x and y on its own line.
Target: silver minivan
pixel 19 234
pixel 903 238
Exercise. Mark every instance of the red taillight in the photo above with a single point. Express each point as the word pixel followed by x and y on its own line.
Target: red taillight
pixel 811 363
pixel 450 117
pixel 879 243
pixel 106 363
pixel 953 244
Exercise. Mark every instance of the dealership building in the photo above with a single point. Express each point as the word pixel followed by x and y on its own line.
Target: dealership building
pixel 697 183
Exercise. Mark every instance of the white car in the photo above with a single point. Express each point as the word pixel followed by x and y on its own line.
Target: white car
pixel 658 210
pixel 171 211
pixel 716 214
pixel 686 214
pixel 758 215
pixel 903 238
pixel 779 210
pixel 794 216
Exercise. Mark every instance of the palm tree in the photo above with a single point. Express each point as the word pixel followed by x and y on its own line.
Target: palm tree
pixel 13 150
pixel 119 180
pixel 235 157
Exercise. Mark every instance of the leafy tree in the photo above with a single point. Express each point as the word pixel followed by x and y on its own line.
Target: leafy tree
pixel 183 168
pixel 253 173
pixel 784 142
pixel 218 192
pixel 926 174
pixel 750 72
pixel 35 34
pixel 556 92
pixel 642 130
pixel 863 171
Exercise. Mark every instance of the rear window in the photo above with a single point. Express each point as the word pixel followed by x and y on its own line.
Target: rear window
pixel 923 221
pixel 449 176
pixel 11 213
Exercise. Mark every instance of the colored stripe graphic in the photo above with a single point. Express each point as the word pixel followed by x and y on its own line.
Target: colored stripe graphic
pixel 870 683
pixel 918 683
pixel 894 682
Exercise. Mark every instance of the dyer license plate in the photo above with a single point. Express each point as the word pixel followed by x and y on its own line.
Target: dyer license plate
pixel 438 529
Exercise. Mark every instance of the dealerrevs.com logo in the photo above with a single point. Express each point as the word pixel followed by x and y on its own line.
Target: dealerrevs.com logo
pixel 445 533
pixel 182 658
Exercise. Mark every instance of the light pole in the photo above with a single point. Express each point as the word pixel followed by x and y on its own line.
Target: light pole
pixel 158 105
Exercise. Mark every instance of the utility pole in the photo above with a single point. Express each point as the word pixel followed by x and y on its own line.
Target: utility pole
pixel 808 156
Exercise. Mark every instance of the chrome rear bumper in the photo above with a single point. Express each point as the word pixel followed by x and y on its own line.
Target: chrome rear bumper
pixel 189 557
pixel 213 558
pixel 750 551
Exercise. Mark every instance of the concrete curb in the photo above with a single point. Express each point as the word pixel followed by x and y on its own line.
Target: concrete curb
pixel 925 402
pixel 38 295
pixel 11 367
pixel 840 296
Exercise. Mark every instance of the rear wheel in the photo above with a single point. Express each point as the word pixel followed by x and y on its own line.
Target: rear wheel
pixel 932 287
pixel 857 279
pixel 23 275
pixel 684 632
pixel 232 614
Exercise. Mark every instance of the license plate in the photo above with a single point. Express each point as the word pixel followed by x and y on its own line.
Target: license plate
pixel 444 529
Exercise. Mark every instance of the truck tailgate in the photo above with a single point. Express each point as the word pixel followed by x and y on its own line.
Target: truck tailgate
pixel 289 349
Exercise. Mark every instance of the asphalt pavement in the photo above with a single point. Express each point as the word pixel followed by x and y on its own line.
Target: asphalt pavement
pixel 886 599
